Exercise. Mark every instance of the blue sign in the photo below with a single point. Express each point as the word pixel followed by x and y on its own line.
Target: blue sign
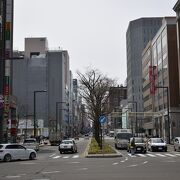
pixel 102 119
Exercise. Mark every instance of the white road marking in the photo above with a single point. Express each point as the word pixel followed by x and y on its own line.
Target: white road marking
pixel 115 163
pixel 56 157
pixel 141 155
pixel 21 174
pixel 40 179
pixel 161 155
pixel 145 162
pixel 151 155
pixel 171 155
pixel 131 155
pixel 133 165
pixel 83 169
pixel 75 156
pixel 50 172
pixel 177 154
pixel 52 155
pixel 27 163
pixel 10 177
pixel 123 161
pixel 73 162
pixel 170 161
pixel 65 157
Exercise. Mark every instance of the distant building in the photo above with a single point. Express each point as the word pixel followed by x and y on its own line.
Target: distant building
pixel 116 95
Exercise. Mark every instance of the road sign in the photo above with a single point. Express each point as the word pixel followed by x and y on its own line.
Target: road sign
pixel 102 119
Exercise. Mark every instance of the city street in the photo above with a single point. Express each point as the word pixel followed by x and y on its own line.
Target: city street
pixel 51 165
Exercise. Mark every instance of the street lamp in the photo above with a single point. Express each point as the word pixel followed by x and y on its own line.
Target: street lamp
pixel 35 92
pixel 167 91
pixel 127 110
pixel 57 103
pixel 135 102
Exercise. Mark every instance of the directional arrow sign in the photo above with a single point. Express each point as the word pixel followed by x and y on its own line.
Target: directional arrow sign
pixel 102 119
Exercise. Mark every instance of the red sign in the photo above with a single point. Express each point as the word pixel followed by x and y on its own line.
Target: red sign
pixel 152 78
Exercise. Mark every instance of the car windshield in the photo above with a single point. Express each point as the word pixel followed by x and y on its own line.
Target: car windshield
pixel 66 142
pixel 29 141
pixel 157 140
pixel 139 140
pixel 124 135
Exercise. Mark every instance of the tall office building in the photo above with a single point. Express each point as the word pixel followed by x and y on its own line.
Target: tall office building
pixel 42 70
pixel 138 34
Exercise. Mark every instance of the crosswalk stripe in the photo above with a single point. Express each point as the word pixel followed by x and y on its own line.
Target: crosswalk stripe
pixel 141 155
pixel 155 155
pixel 56 157
pixel 131 155
pixel 161 155
pixel 177 154
pixel 65 157
pixel 171 155
pixel 52 155
pixel 151 155
pixel 75 156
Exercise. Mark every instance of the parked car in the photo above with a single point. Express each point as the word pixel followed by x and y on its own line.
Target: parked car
pixel 140 145
pixel 68 146
pixel 177 143
pixel 31 143
pixel 157 144
pixel 10 152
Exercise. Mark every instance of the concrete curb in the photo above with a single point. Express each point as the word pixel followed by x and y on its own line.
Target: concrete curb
pixel 115 155
pixel 103 155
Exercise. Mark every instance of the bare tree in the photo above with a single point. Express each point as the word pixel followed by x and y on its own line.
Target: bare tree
pixel 94 88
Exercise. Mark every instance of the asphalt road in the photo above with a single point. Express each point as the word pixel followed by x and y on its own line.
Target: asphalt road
pixel 51 165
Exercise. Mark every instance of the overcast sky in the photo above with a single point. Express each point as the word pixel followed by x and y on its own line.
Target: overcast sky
pixel 93 31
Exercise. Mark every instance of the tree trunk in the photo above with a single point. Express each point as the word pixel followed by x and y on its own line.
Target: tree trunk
pixel 97 132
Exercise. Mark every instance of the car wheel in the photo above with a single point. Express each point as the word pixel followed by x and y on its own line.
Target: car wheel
pixel 7 158
pixel 60 152
pixel 32 156
pixel 174 148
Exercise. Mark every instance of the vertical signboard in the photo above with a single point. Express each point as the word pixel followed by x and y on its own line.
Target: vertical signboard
pixel 8 31
pixel 152 78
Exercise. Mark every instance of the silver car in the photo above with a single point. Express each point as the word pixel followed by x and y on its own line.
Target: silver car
pixel 177 143
pixel 10 152
pixel 157 144
pixel 31 143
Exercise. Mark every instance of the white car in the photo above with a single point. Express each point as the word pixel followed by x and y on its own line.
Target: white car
pixel 157 144
pixel 31 143
pixel 67 145
pixel 10 152
pixel 177 143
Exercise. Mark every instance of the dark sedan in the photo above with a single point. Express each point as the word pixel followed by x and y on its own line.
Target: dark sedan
pixel 140 145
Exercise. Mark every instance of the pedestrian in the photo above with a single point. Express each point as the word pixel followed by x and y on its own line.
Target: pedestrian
pixel 132 145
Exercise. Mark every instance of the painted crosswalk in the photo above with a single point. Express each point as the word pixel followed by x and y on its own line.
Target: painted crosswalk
pixel 154 155
pixel 55 156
